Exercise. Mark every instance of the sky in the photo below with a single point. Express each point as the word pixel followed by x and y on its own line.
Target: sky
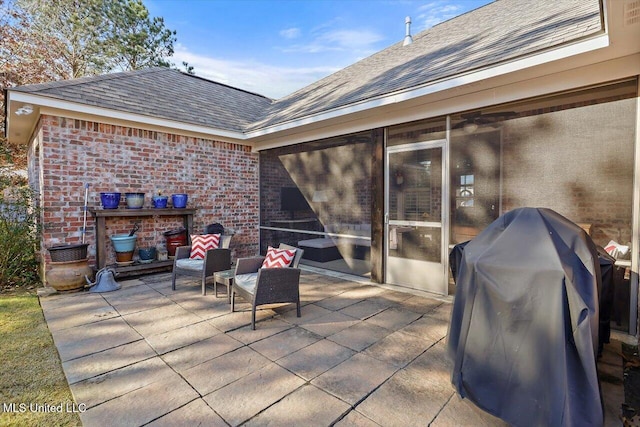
pixel 275 47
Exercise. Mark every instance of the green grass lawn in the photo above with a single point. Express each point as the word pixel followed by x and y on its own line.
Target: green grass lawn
pixel 31 376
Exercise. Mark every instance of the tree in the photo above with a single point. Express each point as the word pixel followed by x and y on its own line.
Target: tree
pixel 26 56
pixel 136 41
pixel 100 36
pixel 188 68
pixel 80 29
pixel 44 40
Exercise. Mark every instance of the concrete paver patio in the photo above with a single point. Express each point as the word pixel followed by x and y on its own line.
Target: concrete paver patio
pixel 360 355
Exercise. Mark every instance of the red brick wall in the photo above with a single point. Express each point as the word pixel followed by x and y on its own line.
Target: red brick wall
pixel 221 180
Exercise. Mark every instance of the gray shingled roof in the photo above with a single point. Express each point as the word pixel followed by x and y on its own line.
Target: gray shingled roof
pixel 498 32
pixel 161 92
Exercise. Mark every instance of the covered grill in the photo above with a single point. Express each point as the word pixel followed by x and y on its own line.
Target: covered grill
pixel 524 327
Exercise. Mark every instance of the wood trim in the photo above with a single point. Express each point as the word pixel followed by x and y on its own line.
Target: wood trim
pixel 377 206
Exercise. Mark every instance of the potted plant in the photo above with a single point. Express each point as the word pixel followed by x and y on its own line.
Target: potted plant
pixel 160 201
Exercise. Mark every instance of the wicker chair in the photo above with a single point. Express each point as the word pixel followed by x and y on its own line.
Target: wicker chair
pixel 267 285
pixel 214 260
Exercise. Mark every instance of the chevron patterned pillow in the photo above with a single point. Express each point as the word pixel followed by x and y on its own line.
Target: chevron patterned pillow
pixel 201 243
pixel 278 258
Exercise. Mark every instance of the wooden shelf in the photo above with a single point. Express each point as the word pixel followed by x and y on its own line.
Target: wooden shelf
pixel 101 215
pixel 142 268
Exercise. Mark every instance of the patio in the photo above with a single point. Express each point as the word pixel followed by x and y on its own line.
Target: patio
pixel 360 355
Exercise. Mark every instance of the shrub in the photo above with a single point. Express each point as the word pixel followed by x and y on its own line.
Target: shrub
pixel 19 233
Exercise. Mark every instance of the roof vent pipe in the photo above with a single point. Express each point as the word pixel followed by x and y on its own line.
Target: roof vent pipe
pixel 407 38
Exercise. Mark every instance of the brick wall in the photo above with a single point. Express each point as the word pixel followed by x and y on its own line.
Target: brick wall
pixel 339 169
pixel 221 180
pixel 580 162
pixel 342 172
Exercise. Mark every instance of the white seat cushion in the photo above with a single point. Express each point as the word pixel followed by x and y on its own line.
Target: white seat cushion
pixel 190 264
pixel 246 281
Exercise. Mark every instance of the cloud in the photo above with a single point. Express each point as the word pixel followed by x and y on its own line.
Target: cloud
pixel 290 33
pixel 437 11
pixel 351 39
pixel 361 42
pixel 272 81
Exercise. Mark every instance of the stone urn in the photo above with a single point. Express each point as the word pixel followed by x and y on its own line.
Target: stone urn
pixel 68 276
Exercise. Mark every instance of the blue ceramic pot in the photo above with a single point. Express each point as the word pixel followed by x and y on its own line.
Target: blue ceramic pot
pixel 135 200
pixel 179 200
pixel 110 200
pixel 123 242
pixel 160 202
pixel 146 254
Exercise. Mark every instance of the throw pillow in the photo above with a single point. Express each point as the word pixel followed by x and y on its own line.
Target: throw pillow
pixel 278 258
pixel 201 243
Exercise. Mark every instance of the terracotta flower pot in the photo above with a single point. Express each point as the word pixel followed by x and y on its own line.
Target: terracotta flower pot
pixel 68 276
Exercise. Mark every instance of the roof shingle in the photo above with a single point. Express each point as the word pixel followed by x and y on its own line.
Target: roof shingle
pixel 493 34
pixel 161 92
pixel 498 32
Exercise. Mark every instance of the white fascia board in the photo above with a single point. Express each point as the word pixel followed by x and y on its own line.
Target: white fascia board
pixel 598 42
pixel 44 101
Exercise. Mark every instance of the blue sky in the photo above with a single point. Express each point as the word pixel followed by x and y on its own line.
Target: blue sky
pixel 274 47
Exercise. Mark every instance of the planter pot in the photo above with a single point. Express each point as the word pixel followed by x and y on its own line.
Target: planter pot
pixel 64 253
pixel 175 238
pixel 68 276
pixel 124 257
pixel 160 202
pixel 179 200
pixel 110 200
pixel 123 242
pixel 135 200
pixel 147 254
pixel 163 255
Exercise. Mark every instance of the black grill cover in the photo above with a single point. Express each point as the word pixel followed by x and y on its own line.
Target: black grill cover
pixel 524 328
